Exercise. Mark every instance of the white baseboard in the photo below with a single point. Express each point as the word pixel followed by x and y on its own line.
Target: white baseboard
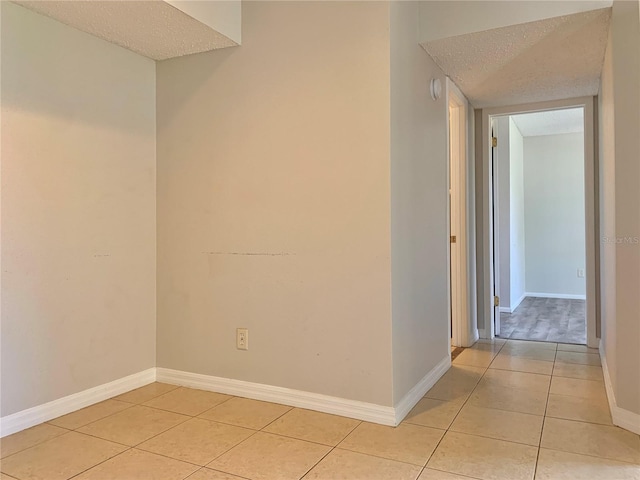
pixel 296 398
pixel 473 339
pixel 33 416
pixel 370 412
pixel 556 295
pixel 482 333
pixel 517 304
pixel 621 417
pixel 404 406
pixel 512 308
pixel 465 339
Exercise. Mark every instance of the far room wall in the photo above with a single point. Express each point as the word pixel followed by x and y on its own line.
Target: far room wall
pixel 541 214
pixel 554 214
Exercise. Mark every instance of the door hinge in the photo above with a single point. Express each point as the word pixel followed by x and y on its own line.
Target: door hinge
pixel 494 142
pixel 453 239
pixel 496 301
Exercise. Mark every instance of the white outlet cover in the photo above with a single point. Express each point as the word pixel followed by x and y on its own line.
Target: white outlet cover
pixel 242 339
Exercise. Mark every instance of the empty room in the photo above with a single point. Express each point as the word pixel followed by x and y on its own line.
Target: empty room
pixel 239 239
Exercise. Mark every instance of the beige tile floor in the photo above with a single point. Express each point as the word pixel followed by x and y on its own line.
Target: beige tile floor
pixel 507 410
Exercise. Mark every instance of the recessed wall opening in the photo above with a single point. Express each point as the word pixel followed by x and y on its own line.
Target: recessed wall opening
pixel 539 226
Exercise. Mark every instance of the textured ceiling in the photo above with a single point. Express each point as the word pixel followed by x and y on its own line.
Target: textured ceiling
pixel 549 59
pixel 554 122
pixel 151 28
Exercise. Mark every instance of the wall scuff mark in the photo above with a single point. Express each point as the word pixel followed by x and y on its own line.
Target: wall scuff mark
pixel 256 254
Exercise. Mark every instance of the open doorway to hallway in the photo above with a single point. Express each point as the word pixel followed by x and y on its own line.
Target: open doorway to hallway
pixel 539 226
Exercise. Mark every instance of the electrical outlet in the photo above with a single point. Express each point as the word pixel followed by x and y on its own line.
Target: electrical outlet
pixel 581 273
pixel 242 339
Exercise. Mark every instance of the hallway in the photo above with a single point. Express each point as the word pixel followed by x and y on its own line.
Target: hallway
pixel 549 419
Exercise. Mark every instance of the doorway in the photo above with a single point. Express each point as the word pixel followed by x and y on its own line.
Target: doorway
pixel 491 249
pixel 463 331
pixel 539 226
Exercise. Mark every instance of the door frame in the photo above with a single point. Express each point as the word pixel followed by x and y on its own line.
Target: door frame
pixel 461 257
pixel 495 231
pixel 485 198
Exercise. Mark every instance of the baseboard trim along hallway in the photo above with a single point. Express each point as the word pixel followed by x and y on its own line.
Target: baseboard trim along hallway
pixel 48 411
pixel 620 417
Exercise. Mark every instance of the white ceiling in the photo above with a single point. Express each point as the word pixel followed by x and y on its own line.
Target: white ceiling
pixel 152 28
pixel 549 59
pixel 554 122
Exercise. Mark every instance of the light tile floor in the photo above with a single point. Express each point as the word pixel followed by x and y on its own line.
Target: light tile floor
pixel 507 410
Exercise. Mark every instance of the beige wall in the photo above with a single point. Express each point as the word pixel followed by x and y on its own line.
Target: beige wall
pixel 620 204
pixel 78 211
pixel 419 215
pixel 273 202
pixel 607 206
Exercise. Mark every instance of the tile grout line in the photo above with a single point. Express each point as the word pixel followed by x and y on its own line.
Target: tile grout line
pixel 61 435
pixel 299 439
pixel 99 419
pixel 135 447
pixel 254 432
pixel 262 430
pixel 500 409
pixel 338 447
pixel 331 449
pixel 219 471
pixel 592 456
pixel 276 419
pixel 187 461
pixel 227 451
pixel 544 417
pixel 131 405
pixel 37 443
pixel 448 429
pixel 450 473
pixel 497 439
pixel 99 463
pixel 588 423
